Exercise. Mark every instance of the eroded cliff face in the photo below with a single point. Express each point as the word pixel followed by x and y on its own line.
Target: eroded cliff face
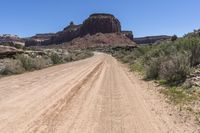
pixel 96 23
pixel 151 39
pixel 8 38
pixel 69 33
pixel 128 34
pixel 100 23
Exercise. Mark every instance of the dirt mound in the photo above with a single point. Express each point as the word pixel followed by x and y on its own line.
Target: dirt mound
pixel 99 39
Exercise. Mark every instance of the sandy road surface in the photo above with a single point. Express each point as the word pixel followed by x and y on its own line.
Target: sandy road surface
pixel 95 95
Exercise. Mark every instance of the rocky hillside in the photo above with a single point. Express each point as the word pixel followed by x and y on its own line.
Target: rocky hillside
pixel 96 23
pixel 99 40
pixel 7 38
pixel 151 39
pixel 7 51
pixel 43 37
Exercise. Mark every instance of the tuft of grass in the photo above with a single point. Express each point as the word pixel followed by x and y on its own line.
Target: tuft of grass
pixel 137 67
pixel 179 95
pixel 34 61
pixel 162 82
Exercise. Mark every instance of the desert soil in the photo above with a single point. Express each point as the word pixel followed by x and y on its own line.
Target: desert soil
pixel 95 95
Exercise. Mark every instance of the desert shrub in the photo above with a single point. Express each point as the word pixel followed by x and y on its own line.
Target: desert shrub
pixel 2 66
pixel 192 46
pixel 41 62
pixel 27 62
pixel 175 69
pixel 152 69
pixel 18 46
pixel 127 59
pixel 36 63
pixel 12 67
pixel 68 58
pixel 137 66
pixel 174 38
pixel 78 55
pixel 169 61
pixel 82 55
pixel 56 59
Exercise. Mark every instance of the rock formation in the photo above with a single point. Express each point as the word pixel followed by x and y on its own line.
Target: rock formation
pixel 100 23
pixel 38 39
pixel 43 37
pixel 151 39
pixel 7 38
pixel 7 51
pixel 70 32
pixel 128 34
pixel 96 23
pixel 98 40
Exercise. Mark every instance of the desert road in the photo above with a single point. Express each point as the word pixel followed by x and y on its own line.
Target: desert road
pixel 95 95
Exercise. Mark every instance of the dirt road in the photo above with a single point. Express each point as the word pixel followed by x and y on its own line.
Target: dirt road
pixel 95 95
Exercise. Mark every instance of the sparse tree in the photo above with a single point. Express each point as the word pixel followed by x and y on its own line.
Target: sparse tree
pixel 174 38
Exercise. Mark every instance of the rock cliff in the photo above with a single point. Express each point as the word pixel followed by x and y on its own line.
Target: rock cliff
pixel 151 39
pixel 100 23
pixel 96 23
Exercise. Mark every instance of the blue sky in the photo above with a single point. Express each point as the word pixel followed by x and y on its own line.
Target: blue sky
pixel 144 17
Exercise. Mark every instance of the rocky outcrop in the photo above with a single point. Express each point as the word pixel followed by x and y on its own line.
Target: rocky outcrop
pixel 100 23
pixel 128 34
pixel 7 38
pixel 99 40
pixel 151 39
pixel 43 37
pixel 69 33
pixel 7 51
pixel 96 23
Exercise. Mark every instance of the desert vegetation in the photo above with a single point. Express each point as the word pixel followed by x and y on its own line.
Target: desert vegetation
pixel 170 64
pixel 32 60
pixel 170 61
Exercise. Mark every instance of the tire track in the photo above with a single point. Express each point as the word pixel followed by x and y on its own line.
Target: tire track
pixel 44 123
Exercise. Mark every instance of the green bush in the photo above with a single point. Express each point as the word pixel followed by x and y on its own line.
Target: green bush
pixel 174 38
pixel 152 69
pixel 36 63
pixel 41 62
pixel 192 46
pixel 169 61
pixel 27 62
pixel 56 59
pixel 175 69
pixel 137 66
pixel 78 55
